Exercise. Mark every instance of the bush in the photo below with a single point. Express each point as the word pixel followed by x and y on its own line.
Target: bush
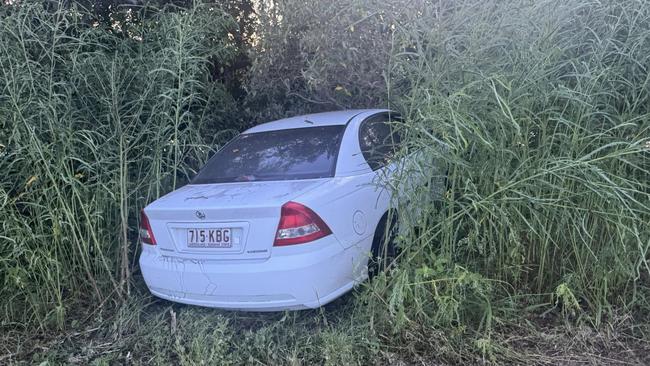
pixel 325 55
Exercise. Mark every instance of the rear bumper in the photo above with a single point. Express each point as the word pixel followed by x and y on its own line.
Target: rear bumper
pixel 292 278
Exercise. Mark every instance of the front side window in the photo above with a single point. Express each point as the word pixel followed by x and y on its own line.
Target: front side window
pixel 299 153
pixel 378 140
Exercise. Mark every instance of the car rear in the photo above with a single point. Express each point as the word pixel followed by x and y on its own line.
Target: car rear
pixel 239 236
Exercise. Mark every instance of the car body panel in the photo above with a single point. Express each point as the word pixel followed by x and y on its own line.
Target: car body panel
pixel 349 197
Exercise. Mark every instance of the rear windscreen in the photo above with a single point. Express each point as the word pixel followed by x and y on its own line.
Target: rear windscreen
pixel 299 153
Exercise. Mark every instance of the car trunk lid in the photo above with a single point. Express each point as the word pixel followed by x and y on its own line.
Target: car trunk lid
pixel 246 213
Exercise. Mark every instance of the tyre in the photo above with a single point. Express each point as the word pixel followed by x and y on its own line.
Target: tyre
pixel 384 250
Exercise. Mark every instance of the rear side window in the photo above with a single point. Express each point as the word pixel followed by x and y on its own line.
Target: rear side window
pixel 299 153
pixel 378 140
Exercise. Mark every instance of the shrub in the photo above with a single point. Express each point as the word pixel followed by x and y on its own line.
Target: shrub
pixel 325 55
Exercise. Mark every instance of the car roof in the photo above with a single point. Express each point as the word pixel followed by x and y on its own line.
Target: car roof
pixel 310 120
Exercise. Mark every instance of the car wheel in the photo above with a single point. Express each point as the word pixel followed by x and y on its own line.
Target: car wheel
pixel 384 250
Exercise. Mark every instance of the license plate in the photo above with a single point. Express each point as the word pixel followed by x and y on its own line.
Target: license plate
pixel 209 238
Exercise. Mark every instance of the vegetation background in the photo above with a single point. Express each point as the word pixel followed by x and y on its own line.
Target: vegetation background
pixel 536 251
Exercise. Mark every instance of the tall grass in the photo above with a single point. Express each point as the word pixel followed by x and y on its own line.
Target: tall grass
pixel 94 123
pixel 529 119
pixel 539 114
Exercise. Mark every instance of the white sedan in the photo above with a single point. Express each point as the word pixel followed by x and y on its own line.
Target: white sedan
pixel 285 216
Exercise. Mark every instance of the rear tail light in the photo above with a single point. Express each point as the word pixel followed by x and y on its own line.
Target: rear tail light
pixel 298 225
pixel 146 234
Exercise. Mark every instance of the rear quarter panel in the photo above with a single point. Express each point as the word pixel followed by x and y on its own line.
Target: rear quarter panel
pixel 351 206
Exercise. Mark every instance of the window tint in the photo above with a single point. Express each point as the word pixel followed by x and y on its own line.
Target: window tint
pixel 378 140
pixel 299 153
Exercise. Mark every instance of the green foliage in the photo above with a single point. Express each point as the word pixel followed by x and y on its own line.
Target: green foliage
pixel 539 115
pixel 323 55
pixel 93 126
